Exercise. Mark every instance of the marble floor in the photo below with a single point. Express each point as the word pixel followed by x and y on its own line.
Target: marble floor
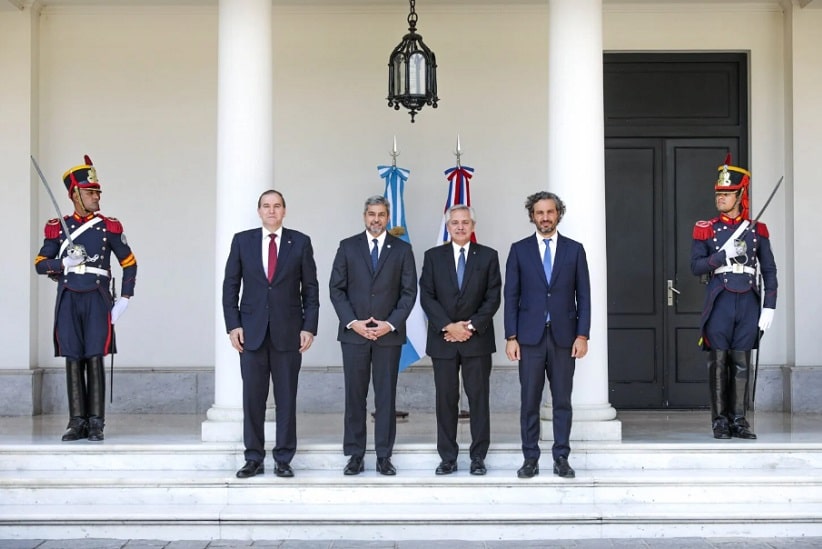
pixel 662 427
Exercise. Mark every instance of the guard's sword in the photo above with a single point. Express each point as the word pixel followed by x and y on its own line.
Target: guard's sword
pixel 746 226
pixel 73 249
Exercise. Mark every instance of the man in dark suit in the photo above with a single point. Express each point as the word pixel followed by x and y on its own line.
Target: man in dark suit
pixel 460 292
pixel 547 324
pixel 271 325
pixel 373 289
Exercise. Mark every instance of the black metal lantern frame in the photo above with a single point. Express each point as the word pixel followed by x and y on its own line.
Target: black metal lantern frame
pixel 412 71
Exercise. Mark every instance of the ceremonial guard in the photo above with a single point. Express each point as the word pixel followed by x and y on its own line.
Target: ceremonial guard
pixel 730 252
pixel 76 254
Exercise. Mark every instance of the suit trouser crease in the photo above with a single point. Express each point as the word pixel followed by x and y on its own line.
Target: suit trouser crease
pixel 282 368
pixel 476 372
pixel 363 363
pixel 546 359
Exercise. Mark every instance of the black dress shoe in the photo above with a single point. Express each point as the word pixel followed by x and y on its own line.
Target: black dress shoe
pixel 251 468
pixel 446 467
pixel 562 468
pixel 283 470
pixel 721 428
pixel 530 467
pixel 384 467
pixel 77 429
pixel 740 428
pixel 478 466
pixel 354 466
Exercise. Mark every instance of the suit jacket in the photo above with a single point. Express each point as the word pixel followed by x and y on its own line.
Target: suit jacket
pixel 444 302
pixel 388 294
pixel 287 305
pixel 529 296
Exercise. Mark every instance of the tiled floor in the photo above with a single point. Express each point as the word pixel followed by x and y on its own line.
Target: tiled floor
pixel 670 427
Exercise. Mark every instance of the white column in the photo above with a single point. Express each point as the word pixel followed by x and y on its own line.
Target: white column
pixel 245 168
pixel 19 55
pixel 576 172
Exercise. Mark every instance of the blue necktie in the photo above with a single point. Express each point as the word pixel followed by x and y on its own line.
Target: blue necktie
pixel 461 268
pixel 546 266
pixel 375 254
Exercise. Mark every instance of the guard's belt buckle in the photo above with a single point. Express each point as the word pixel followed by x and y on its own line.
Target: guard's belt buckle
pixel 738 268
pixel 80 269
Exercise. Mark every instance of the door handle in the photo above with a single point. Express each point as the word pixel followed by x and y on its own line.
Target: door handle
pixel 671 292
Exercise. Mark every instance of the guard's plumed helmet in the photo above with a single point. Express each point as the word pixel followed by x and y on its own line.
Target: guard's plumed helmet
pixel 81 177
pixel 734 179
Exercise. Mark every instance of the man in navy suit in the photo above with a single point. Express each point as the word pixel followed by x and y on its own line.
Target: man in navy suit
pixel 373 289
pixel 271 325
pixel 547 324
pixel 460 292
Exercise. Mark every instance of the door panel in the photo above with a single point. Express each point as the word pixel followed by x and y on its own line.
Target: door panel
pixel 632 196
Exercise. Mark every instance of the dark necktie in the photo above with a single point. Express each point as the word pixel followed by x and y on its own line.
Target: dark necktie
pixel 375 254
pixel 546 266
pixel 461 268
pixel 272 256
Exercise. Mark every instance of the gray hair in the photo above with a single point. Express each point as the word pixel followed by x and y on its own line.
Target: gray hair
pixel 458 207
pixel 377 200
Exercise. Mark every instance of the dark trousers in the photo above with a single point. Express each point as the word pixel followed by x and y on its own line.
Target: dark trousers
pixel 82 327
pixel 361 364
pixel 476 375
pixel 282 368
pixel 734 321
pixel 537 362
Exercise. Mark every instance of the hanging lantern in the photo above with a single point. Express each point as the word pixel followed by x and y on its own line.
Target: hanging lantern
pixel 412 71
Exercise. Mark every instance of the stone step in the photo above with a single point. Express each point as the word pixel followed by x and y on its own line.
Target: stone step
pixel 385 520
pixel 411 487
pixel 585 456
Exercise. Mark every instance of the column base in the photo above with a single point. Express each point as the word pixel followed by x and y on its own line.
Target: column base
pixel 589 423
pixel 226 425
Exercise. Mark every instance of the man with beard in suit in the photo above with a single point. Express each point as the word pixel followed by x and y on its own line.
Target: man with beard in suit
pixel 547 324
pixel 373 288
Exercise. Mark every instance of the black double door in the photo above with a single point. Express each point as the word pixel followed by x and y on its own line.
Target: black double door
pixel 670 121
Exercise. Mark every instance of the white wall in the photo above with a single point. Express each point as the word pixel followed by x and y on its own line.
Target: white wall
pixel 136 90
pixel 144 108
pixel 143 105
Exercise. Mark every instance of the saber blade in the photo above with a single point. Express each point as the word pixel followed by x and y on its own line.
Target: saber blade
pixel 53 201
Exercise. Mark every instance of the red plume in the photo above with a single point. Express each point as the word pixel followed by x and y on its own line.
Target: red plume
pixel 88 160
pixel 727 159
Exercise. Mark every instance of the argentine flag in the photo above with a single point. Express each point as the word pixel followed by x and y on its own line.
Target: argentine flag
pixel 415 326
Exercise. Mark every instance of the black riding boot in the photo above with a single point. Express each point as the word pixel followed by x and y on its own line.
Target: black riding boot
pixel 76 387
pixel 718 383
pixel 738 391
pixel 96 398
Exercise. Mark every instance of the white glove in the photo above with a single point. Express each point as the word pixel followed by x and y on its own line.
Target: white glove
pixel 119 308
pixel 765 319
pixel 72 261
